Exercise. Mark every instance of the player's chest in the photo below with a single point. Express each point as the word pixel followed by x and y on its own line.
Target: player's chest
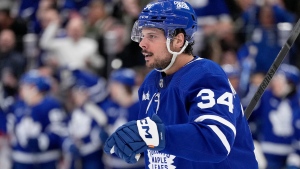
pixel 165 102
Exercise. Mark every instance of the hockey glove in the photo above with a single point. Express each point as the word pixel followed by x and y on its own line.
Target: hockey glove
pixel 33 145
pixel 134 137
pixel 40 143
pixel 71 148
pixel 74 151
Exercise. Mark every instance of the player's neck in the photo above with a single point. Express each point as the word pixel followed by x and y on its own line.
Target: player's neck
pixel 180 61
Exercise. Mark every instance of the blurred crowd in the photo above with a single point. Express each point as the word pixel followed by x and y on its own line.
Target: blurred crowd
pixel 70 73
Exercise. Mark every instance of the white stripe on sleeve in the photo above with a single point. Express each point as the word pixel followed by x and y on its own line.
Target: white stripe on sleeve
pixel 221 136
pixel 219 119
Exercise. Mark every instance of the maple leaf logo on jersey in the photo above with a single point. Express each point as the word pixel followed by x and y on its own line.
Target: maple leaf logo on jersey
pixel 146 96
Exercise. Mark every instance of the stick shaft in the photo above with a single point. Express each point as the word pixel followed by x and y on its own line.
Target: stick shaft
pixel 279 58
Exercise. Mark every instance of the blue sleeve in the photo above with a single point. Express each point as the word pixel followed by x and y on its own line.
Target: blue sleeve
pixel 56 129
pixel 2 121
pixel 133 111
pixel 210 132
pixel 282 15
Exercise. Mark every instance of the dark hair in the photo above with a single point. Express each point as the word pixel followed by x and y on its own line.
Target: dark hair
pixel 189 48
pixel 5 11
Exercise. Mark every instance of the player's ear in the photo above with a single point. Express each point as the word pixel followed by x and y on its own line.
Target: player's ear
pixel 178 41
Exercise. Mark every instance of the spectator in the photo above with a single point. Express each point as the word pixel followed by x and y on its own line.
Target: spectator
pixel 213 21
pixel 75 50
pixel 127 12
pixel 215 24
pixel 258 54
pixel 102 27
pixel 44 6
pixel 49 16
pixel 16 24
pixel 12 63
pixel 250 17
pixel 99 21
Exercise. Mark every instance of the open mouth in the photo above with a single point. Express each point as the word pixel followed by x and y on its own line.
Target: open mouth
pixel 147 54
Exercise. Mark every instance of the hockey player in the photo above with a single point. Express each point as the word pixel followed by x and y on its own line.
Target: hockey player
pixel 5 162
pixel 191 117
pixel 87 122
pixel 274 116
pixel 233 74
pixel 121 107
pixel 293 160
pixel 38 126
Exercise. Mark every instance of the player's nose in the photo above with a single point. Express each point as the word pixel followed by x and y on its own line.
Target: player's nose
pixel 143 43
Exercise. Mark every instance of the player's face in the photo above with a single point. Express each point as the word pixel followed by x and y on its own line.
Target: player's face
pixel 28 92
pixel 153 44
pixel 79 97
pixel 118 92
pixel 279 85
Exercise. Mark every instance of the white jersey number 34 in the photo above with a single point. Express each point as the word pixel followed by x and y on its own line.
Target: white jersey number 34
pixel 208 97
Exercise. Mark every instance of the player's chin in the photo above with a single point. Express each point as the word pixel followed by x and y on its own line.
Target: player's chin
pixel 150 64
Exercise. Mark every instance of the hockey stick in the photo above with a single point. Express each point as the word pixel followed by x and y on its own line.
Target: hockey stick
pixel 281 55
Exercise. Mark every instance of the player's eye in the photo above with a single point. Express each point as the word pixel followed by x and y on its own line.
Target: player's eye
pixel 151 37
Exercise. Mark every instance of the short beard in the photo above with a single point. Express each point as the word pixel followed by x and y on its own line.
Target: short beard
pixel 161 64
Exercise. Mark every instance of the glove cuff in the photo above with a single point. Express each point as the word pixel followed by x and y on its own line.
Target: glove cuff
pixel 152 131
pixel 161 136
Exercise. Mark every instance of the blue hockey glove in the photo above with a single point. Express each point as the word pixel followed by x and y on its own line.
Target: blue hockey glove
pixel 134 137
pixel 33 144
pixel 40 143
pixel 71 148
pixel 74 151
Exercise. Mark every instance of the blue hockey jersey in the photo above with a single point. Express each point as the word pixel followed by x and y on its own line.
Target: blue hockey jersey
pixel 274 119
pixel 118 115
pixel 92 121
pixel 205 124
pixel 294 158
pixel 37 131
pixel 86 128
